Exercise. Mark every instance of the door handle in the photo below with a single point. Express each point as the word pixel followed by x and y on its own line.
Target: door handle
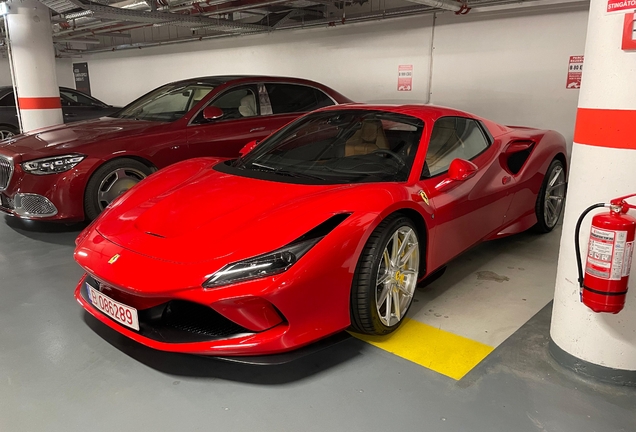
pixel 70 115
pixel 506 179
pixel 257 129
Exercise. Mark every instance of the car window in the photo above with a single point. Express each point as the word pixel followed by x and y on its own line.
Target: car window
pixel 235 103
pixel 452 138
pixel 292 98
pixel 7 100
pixel 167 103
pixel 336 147
pixel 77 99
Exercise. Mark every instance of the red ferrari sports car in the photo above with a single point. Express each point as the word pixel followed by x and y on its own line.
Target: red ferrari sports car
pixel 328 224
pixel 72 172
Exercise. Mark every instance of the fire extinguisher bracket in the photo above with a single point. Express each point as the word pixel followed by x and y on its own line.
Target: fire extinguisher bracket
pixel 609 256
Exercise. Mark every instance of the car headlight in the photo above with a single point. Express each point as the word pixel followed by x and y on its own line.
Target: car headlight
pixel 52 165
pixel 261 266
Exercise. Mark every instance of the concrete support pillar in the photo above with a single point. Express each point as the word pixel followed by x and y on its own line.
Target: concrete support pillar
pixel 32 60
pixel 603 166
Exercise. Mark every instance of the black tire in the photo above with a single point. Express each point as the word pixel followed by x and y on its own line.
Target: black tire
pixel 364 312
pixel 7 131
pixel 93 206
pixel 545 226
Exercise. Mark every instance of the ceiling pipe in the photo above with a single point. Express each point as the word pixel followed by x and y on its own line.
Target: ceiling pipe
pixel 415 10
pixel 109 12
pixel 450 5
pixel 243 8
pixel 79 40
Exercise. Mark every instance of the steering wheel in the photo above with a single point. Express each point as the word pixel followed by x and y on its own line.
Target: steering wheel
pixel 390 153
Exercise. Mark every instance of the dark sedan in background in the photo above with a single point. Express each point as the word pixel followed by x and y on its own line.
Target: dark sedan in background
pixel 72 172
pixel 76 106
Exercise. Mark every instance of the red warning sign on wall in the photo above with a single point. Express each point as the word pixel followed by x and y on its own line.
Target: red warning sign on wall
pixel 405 77
pixel 620 5
pixel 575 72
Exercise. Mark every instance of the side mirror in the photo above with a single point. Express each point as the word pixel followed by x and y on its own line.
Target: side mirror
pixel 212 113
pixel 248 148
pixel 461 169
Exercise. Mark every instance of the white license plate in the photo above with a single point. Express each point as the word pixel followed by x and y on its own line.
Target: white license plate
pixel 121 313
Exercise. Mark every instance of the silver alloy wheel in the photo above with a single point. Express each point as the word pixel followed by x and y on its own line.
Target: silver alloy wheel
pixel 116 183
pixel 554 196
pixel 397 276
pixel 5 133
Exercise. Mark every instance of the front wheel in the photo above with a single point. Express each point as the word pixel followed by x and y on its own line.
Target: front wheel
pixel 551 198
pixel 111 180
pixel 7 132
pixel 385 277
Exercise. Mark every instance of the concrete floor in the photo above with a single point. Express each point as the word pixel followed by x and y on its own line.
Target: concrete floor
pixel 61 370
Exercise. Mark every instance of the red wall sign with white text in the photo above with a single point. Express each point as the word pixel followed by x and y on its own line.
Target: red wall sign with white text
pixel 620 5
pixel 575 72
pixel 629 33
pixel 405 77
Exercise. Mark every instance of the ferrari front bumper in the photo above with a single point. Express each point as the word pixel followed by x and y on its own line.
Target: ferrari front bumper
pixel 188 327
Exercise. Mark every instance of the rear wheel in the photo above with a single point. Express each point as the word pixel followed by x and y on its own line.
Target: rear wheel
pixel 7 132
pixel 385 277
pixel 111 180
pixel 551 198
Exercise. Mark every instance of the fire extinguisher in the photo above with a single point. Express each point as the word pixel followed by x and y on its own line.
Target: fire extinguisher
pixel 609 256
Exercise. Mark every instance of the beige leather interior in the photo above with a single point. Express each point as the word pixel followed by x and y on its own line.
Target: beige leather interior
pixel 368 139
pixel 248 106
pixel 444 146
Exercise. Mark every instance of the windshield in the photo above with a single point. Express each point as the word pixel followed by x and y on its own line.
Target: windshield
pixel 167 103
pixel 335 147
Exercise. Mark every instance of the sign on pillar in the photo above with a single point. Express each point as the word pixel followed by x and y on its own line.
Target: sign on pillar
pixel 629 33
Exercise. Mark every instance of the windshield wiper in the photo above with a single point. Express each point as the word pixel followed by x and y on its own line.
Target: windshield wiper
pixel 297 174
pixel 286 172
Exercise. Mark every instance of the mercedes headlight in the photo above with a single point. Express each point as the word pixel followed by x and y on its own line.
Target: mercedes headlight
pixel 52 165
pixel 261 266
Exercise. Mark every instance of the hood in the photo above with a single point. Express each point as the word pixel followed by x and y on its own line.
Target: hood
pixel 73 137
pixel 191 213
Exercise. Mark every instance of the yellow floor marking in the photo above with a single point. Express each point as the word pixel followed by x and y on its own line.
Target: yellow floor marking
pixel 433 348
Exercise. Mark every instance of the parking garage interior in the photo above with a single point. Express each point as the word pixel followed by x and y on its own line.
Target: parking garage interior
pixel 500 338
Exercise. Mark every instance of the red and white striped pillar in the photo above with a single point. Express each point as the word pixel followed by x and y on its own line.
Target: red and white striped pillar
pixel 32 60
pixel 603 166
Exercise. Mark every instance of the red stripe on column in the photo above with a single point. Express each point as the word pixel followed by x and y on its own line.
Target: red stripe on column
pixel 40 103
pixel 606 128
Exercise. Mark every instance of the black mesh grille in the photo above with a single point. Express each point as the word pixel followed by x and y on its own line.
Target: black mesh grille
pixel 179 321
pixel 37 205
pixel 198 319
pixel 6 202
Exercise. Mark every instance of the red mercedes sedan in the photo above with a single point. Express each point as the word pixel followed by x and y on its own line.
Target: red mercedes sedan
pixel 327 224
pixel 72 172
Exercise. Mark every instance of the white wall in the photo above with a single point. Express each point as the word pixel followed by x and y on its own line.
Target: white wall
pixel 63 68
pixel 510 67
pixel 360 60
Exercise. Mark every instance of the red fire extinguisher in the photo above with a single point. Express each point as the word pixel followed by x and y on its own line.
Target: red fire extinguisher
pixel 609 256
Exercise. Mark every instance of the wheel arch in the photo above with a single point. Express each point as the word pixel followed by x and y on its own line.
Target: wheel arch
pixel 97 166
pixel 10 126
pixel 422 234
pixel 563 159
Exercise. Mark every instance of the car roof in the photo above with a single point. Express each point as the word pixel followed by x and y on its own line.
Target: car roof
pixel 421 111
pixel 224 79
